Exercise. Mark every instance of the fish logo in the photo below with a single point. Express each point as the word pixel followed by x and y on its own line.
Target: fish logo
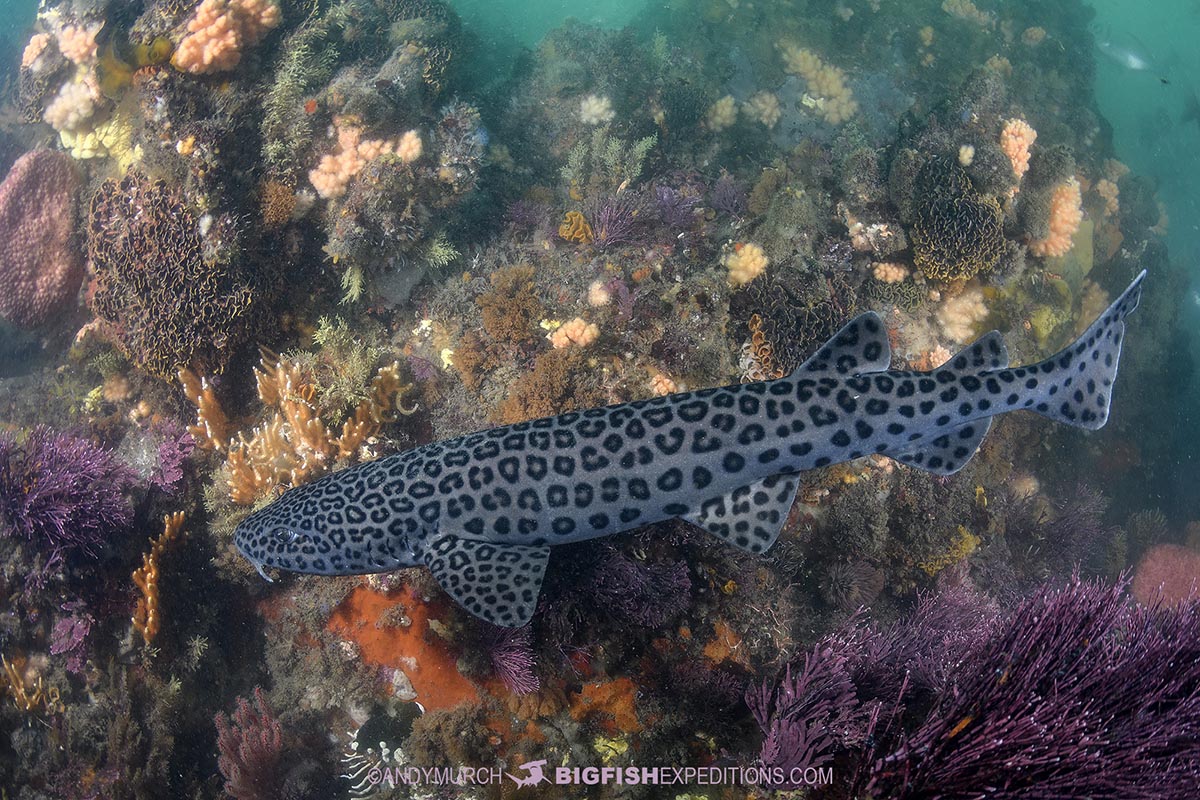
pixel 535 776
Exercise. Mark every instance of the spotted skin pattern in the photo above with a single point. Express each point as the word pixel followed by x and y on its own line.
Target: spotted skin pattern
pixel 482 510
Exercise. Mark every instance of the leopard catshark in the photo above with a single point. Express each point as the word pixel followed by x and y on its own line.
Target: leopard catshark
pixel 482 511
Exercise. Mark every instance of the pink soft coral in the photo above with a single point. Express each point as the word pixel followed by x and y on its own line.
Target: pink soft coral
pixel 220 30
pixel 1015 140
pixel 1066 213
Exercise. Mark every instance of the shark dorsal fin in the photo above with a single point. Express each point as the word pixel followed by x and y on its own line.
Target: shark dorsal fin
pixel 861 346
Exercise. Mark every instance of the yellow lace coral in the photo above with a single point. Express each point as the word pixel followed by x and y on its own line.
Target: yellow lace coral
pixel 962 545
pixel 575 228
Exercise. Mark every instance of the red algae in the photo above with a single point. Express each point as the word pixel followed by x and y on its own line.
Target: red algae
pixel 436 680
pixel 1174 568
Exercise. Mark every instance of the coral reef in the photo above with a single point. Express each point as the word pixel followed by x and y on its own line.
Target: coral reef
pixel 220 30
pixel 294 444
pixel 146 614
pixel 358 194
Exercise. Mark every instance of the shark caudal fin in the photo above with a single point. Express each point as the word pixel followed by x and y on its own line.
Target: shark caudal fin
pixel 1074 386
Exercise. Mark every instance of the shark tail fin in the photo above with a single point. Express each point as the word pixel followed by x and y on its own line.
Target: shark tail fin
pixel 1074 386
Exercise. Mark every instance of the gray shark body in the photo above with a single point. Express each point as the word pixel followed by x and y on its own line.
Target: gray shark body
pixel 482 511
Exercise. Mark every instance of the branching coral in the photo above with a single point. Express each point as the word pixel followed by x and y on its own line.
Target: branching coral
pixel 957 232
pixel 27 688
pixel 294 444
pixel 212 428
pixel 146 615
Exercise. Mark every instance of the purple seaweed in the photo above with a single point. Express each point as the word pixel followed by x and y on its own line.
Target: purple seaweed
pixel 614 219
pixel 676 208
pixel 61 492
pixel 728 196
pixel 70 633
pixel 1079 694
pixel 647 593
pixel 173 451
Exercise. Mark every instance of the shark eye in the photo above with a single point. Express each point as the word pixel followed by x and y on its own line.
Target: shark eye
pixel 285 535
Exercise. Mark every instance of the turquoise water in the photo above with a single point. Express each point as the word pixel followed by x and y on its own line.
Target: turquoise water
pixel 608 394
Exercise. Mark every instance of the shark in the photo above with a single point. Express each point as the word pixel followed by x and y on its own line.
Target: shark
pixel 483 511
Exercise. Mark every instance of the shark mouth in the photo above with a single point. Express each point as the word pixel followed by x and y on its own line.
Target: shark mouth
pixel 259 567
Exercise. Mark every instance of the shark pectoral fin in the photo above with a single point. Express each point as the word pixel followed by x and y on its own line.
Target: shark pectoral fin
pixel 498 583
pixel 750 517
pixel 987 352
pixel 861 346
pixel 948 453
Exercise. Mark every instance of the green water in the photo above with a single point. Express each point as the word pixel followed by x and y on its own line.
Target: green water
pixel 1145 113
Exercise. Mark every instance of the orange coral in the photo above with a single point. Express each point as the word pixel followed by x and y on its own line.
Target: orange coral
pixel 335 170
pixel 425 658
pixel 211 429
pixel 575 228
pixel 146 616
pixel 578 332
pixel 610 703
pixel 294 444
pixel 725 645
pixel 1066 212
pixel 29 692
pixel 220 30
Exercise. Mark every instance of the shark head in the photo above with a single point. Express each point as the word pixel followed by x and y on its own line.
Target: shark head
pixel 320 529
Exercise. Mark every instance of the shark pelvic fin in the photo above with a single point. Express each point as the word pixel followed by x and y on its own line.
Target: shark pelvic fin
pixel 861 346
pixel 498 583
pixel 948 453
pixel 750 517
